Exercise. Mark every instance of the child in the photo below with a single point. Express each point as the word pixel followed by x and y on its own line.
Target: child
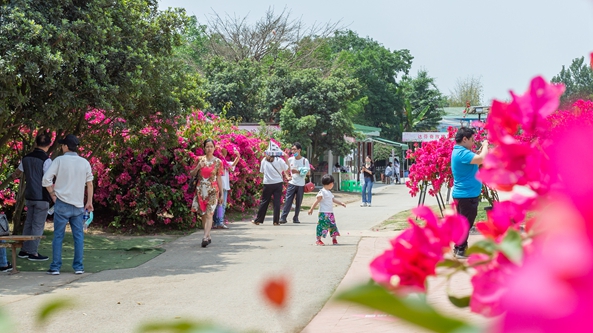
pixel 327 221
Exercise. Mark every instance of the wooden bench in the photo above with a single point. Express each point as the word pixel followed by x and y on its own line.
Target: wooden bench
pixel 15 242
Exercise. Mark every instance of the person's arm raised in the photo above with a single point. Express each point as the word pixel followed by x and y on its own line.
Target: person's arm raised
pixel 479 158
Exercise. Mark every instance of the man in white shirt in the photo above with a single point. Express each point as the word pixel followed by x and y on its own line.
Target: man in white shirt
pixel 72 173
pixel 272 168
pixel 298 167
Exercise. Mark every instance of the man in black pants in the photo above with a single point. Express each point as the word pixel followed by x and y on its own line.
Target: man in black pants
pixel 466 188
pixel 298 167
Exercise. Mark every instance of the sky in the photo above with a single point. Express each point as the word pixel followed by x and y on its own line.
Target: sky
pixel 503 42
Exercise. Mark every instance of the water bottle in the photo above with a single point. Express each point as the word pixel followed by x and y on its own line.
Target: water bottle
pixel 86 219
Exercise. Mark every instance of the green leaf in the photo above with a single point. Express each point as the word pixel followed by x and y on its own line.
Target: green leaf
pixel 512 246
pixel 51 308
pixel 460 302
pixel 450 263
pixel 182 327
pixel 410 310
pixel 485 246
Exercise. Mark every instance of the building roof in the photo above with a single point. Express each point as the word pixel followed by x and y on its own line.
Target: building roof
pixel 367 130
pixel 393 143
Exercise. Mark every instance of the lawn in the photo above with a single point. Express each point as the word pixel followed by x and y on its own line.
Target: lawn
pixel 100 252
pixel 399 221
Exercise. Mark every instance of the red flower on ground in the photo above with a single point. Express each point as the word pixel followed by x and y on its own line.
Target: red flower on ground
pixel 275 290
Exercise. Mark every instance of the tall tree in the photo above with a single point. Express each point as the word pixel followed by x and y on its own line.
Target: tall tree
pixel 62 57
pixel 313 109
pixel 274 35
pixel 466 90
pixel 376 68
pixel 423 107
pixel 234 87
pixel 578 80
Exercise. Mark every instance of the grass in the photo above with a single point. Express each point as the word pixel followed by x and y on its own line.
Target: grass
pixel 399 221
pixel 100 252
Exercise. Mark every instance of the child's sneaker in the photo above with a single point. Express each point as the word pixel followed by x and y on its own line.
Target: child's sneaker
pixel 335 241
pixel 319 242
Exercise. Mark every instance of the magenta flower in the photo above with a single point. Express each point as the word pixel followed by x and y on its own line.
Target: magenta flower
pixel 540 100
pixel 490 283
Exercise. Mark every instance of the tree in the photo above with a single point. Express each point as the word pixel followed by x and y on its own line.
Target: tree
pixel 423 103
pixel 376 69
pixel 578 80
pixel 62 57
pixel 234 87
pixel 466 90
pixel 271 36
pixel 314 109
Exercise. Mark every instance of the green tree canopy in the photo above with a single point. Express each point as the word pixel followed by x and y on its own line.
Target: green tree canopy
pixel 578 80
pixel 314 109
pixel 58 58
pixel 423 107
pixel 376 68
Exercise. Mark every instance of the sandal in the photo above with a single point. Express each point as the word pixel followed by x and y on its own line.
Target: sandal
pixel 276 223
pixel 255 222
pixel 205 242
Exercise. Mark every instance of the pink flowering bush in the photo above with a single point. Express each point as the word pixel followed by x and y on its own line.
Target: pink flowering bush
pixel 532 268
pixel 143 181
pixel 142 176
pixel 431 165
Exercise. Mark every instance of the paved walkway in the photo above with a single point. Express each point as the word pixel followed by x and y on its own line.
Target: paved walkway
pixel 223 282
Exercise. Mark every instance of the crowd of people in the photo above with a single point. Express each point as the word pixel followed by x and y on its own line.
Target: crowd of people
pixel 62 182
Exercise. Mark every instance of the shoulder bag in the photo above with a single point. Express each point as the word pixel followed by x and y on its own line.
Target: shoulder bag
pixel 4 228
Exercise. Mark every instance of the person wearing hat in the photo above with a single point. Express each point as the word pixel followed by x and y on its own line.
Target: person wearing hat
pixel 71 173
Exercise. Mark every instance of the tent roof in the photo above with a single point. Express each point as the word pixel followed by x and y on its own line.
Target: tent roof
pixel 393 143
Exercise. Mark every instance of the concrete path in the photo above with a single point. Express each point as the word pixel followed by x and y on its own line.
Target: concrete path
pixel 221 283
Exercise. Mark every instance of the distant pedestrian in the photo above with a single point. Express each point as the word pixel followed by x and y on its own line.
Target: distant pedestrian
pixel 388 173
pixel 226 187
pixel 34 165
pixel 298 169
pixel 272 168
pixel 209 190
pixel 368 171
pixel 396 171
pixel 466 188
pixel 71 173
pixel 326 223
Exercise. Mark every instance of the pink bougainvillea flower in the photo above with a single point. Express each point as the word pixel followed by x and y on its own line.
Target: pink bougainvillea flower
pixel 505 215
pixel 490 283
pixel 503 122
pixel 540 100
pixel 408 263
pixel 415 252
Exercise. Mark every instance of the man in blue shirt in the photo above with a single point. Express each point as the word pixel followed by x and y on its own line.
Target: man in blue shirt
pixel 466 188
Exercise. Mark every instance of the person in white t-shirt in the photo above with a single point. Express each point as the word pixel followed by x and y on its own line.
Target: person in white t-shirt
pixel 326 221
pixel 272 168
pixel 72 175
pixel 298 168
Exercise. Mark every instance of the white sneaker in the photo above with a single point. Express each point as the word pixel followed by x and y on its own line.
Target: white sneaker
pixel 368 205
pixel 79 272
pixel 363 204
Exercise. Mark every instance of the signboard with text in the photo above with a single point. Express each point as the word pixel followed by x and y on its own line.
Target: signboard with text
pixel 422 136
